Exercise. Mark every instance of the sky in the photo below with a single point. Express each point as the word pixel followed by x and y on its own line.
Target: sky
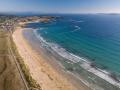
pixel 60 6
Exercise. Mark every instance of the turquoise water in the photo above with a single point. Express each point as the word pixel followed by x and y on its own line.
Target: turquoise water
pixel 96 37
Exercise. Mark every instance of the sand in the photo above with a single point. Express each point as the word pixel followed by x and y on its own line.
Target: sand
pixel 41 71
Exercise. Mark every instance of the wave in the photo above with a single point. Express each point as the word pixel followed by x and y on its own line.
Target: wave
pixel 76 29
pixel 85 63
pixel 76 21
pixel 61 51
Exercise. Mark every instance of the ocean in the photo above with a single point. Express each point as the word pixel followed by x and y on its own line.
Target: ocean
pixel 91 38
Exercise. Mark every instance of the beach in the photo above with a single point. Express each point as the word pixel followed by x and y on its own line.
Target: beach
pixel 47 75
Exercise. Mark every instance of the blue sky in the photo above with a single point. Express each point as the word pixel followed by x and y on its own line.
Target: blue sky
pixel 61 6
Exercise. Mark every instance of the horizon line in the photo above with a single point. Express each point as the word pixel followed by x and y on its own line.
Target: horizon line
pixel 38 13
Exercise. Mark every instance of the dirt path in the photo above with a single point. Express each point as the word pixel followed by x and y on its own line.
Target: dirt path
pixel 41 71
pixel 9 76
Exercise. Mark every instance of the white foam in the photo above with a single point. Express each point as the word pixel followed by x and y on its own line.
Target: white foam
pixel 76 20
pixel 103 74
pixel 76 29
pixel 86 64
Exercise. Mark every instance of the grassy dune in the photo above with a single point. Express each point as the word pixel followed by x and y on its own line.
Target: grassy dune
pixel 32 84
pixel 9 77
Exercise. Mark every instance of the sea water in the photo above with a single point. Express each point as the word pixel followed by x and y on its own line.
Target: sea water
pixel 89 38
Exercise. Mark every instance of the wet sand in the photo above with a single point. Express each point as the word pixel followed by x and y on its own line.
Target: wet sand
pixel 45 72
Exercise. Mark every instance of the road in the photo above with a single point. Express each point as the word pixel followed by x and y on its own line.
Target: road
pixel 11 53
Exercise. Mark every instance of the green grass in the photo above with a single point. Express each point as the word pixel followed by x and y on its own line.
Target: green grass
pixel 9 76
pixel 33 85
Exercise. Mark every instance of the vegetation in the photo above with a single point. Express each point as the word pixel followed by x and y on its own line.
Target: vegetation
pixel 9 76
pixel 33 85
pixel 3 18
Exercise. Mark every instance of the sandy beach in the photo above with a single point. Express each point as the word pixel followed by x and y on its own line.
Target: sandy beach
pixel 47 76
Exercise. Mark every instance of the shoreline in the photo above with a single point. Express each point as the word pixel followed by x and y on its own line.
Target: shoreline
pixel 60 69
pixel 51 80
pixel 96 72
pixel 86 65
pixel 53 59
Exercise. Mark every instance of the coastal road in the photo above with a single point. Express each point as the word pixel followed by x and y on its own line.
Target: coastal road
pixel 11 53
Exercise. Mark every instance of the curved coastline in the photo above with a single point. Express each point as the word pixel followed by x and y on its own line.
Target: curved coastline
pixel 51 80
pixel 86 64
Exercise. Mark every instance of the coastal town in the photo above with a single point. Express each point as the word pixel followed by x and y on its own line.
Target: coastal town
pixel 59 44
pixel 15 74
pixel 11 36
pixel 8 23
pixel 23 79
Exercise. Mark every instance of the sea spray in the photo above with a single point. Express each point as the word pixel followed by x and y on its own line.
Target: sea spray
pixel 86 64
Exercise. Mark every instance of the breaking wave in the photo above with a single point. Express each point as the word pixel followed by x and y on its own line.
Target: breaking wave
pixel 76 21
pixel 86 64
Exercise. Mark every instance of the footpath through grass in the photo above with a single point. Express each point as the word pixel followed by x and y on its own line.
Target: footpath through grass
pixel 9 76
pixel 33 85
